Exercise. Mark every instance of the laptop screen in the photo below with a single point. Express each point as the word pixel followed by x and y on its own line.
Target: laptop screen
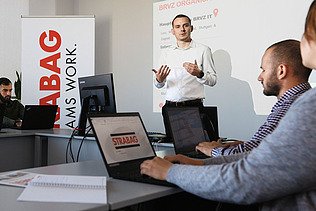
pixel 186 128
pixel 39 117
pixel 121 137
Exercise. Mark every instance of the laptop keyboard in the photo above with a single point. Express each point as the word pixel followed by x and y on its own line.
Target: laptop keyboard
pixel 133 174
pixel 196 155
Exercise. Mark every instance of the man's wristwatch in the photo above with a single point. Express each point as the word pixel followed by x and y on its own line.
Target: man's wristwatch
pixel 201 74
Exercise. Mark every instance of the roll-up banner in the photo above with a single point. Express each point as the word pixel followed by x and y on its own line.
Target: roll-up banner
pixel 56 51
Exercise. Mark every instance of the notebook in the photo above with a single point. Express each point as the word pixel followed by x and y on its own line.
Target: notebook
pixel 65 188
pixel 124 145
pixel 38 117
pixel 186 130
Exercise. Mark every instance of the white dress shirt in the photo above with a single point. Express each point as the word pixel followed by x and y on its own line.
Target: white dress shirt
pixel 181 85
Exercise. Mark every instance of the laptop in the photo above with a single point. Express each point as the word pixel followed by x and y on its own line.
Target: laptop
pixel 186 130
pixel 124 145
pixel 38 117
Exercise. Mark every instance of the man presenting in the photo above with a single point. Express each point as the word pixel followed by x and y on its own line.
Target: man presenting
pixel 14 110
pixel 185 69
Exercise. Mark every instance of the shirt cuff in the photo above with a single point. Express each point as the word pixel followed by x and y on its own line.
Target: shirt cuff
pixel 217 151
pixel 203 78
pixel 158 84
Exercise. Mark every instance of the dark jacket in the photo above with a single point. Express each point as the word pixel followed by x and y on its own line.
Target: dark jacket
pixel 14 110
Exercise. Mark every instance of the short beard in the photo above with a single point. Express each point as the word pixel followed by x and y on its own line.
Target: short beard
pixel 7 98
pixel 272 90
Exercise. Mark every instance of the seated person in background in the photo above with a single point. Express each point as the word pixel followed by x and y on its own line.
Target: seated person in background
pixel 284 76
pixel 14 110
pixel 279 174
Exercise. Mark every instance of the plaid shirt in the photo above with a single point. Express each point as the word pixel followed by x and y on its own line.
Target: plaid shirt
pixel 277 113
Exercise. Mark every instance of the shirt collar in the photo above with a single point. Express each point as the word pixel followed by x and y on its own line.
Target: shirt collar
pixel 192 44
pixel 294 91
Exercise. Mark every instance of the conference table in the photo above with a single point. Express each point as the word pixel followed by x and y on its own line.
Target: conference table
pixel 43 152
pixel 120 193
pixel 20 149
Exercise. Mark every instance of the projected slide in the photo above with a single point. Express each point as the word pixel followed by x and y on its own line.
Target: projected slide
pixel 238 32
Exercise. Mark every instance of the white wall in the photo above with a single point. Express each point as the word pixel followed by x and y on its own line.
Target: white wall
pixel 10 34
pixel 40 7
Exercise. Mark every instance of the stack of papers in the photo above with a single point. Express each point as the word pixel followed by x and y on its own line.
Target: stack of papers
pixel 16 178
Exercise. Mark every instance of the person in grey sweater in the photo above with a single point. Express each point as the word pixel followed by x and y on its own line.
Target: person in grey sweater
pixel 279 175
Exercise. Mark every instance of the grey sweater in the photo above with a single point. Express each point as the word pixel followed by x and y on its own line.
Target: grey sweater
pixel 280 174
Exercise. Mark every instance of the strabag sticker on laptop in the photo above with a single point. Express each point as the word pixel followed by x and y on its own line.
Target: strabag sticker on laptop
pixel 123 129
pixel 124 140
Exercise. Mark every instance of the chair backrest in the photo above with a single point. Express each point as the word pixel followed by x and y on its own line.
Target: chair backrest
pixel 210 121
